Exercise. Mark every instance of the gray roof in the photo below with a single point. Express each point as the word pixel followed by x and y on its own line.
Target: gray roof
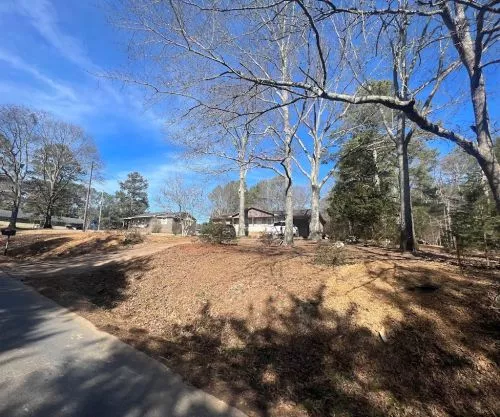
pixel 296 213
pixel 229 215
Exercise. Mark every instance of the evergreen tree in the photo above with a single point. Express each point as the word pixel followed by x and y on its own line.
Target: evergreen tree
pixel 132 198
pixel 362 201
pixel 475 223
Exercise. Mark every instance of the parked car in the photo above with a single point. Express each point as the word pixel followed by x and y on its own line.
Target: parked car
pixel 278 229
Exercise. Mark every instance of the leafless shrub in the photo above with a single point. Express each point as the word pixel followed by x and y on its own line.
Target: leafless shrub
pixel 133 238
pixel 330 255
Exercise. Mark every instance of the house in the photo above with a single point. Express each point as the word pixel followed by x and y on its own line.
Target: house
pixel 258 220
pixel 162 222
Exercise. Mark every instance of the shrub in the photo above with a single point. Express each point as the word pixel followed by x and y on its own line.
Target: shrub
pixel 330 255
pixel 266 239
pixel 217 233
pixel 133 237
pixel 269 239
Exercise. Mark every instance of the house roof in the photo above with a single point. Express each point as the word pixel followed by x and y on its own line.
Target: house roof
pixel 305 213
pixel 229 215
pixel 296 213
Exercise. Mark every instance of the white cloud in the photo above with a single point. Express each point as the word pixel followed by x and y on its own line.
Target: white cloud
pixel 43 18
pixel 17 63
pixel 91 94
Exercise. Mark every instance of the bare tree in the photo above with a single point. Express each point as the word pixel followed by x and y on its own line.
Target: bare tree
pixel 225 199
pixel 62 158
pixel 182 198
pixel 472 25
pixel 405 50
pixel 18 137
pixel 319 120
pixel 233 140
pixel 269 194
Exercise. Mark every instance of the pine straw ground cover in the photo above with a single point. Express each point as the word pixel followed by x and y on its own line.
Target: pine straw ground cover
pixel 53 244
pixel 275 334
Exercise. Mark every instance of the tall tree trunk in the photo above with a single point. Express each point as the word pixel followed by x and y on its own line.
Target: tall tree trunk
pixel 376 177
pixel 47 224
pixel 315 225
pixel 242 217
pixel 288 203
pixel 485 146
pixel 470 52
pixel 407 234
pixel 15 210
pixel 287 165
pixel 491 169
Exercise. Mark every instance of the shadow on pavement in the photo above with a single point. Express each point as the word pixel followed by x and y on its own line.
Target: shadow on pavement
pixel 54 364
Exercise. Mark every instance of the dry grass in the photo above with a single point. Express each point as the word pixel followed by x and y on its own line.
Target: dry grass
pixel 272 332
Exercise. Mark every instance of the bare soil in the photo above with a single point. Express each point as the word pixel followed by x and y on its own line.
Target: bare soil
pixel 275 334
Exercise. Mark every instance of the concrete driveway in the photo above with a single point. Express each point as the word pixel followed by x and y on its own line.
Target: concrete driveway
pixel 54 363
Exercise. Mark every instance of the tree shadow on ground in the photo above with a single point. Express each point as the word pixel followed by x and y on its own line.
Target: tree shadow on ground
pixel 270 250
pixel 87 285
pixel 467 259
pixel 312 361
pixel 100 244
pixel 52 365
pixel 440 359
pixel 39 247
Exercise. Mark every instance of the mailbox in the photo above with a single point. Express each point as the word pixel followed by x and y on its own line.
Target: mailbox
pixel 8 232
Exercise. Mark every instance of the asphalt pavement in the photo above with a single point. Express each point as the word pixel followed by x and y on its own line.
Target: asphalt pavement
pixel 54 363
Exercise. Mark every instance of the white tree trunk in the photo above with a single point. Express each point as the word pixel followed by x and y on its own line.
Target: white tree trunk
pixel 314 224
pixel 288 203
pixel 287 165
pixel 242 217
pixel 315 231
pixel 376 178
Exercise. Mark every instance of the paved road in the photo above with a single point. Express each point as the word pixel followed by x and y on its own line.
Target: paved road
pixel 54 363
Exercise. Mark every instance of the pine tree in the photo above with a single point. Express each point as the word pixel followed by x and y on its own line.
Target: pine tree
pixel 362 201
pixel 132 198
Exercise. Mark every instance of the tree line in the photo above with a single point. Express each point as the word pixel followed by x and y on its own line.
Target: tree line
pixel 283 85
pixel 42 162
pixel 44 169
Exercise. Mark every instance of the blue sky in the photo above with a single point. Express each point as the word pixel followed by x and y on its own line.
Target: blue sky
pixel 50 54
pixel 49 57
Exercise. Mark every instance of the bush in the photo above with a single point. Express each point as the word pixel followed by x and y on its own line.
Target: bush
pixel 217 233
pixel 133 238
pixel 330 255
pixel 269 239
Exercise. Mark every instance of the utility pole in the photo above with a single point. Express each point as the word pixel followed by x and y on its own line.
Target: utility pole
pixel 100 211
pixel 88 198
